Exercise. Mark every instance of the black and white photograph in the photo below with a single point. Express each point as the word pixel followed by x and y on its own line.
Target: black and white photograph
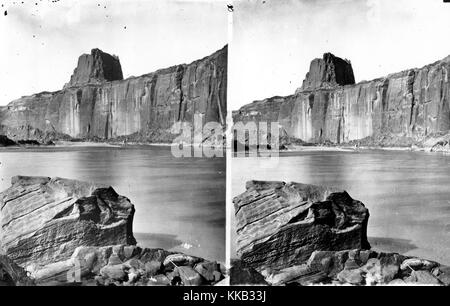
pixel 356 191
pixel 224 150
pixel 94 94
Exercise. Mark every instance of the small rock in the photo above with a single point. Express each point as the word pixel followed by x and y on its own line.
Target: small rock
pixel 289 274
pixel 411 279
pixel 328 261
pixel 364 256
pixel 417 264
pixel 207 269
pixel 378 273
pixel 158 280
pixel 171 261
pixel 444 275
pixel 131 251
pixel 118 250
pixel 114 272
pixel 425 278
pixel 387 259
pixel 217 276
pixel 153 267
pixel 435 271
pixel 114 259
pixel 397 282
pixel 99 280
pixel 134 263
pixel 353 276
pixel 189 276
pixel 351 264
pixel 153 254
pixel 133 276
pixel 103 254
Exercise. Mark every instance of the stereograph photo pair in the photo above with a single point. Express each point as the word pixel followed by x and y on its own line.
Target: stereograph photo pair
pixel 264 143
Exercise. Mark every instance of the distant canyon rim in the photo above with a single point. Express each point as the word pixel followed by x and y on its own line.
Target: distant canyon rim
pixel 408 108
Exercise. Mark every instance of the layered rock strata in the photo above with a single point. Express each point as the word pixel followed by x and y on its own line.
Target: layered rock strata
pixel 328 71
pixel 298 234
pixel 43 220
pixel 281 224
pixel 406 107
pixel 98 104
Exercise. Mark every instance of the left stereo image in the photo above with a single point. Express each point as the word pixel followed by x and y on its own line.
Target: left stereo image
pixel 112 143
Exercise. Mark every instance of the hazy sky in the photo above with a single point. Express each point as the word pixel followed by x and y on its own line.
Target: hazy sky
pixel 274 42
pixel 40 44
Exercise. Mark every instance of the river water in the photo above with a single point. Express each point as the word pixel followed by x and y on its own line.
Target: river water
pixel 180 202
pixel 407 193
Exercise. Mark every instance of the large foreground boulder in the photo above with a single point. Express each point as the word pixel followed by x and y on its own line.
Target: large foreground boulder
pixel 43 220
pixel 280 225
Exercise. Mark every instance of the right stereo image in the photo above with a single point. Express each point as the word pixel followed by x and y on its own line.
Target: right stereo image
pixel 340 167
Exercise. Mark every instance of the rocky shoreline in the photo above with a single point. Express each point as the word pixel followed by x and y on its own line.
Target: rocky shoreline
pixel 68 232
pixel 300 234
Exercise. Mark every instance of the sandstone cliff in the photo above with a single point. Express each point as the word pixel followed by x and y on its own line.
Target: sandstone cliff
pixel 406 107
pixel 98 104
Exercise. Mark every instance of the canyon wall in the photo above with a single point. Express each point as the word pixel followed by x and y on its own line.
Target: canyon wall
pixel 98 103
pixel 413 104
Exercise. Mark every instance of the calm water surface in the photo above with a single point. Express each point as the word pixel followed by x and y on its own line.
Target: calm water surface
pixel 180 202
pixel 407 193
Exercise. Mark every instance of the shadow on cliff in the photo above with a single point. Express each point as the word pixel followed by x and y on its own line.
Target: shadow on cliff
pixel 397 245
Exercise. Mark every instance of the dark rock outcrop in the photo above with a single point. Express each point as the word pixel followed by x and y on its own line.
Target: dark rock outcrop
pixel 6 142
pixel 43 220
pixel 328 71
pixel 98 104
pixel 281 224
pixel 406 107
pixel 96 67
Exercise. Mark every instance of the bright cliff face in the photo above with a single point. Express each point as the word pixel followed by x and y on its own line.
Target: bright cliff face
pixel 98 103
pixel 412 104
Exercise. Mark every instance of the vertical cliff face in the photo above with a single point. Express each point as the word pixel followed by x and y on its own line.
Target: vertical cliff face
pixel 412 104
pixel 96 103
pixel 96 67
